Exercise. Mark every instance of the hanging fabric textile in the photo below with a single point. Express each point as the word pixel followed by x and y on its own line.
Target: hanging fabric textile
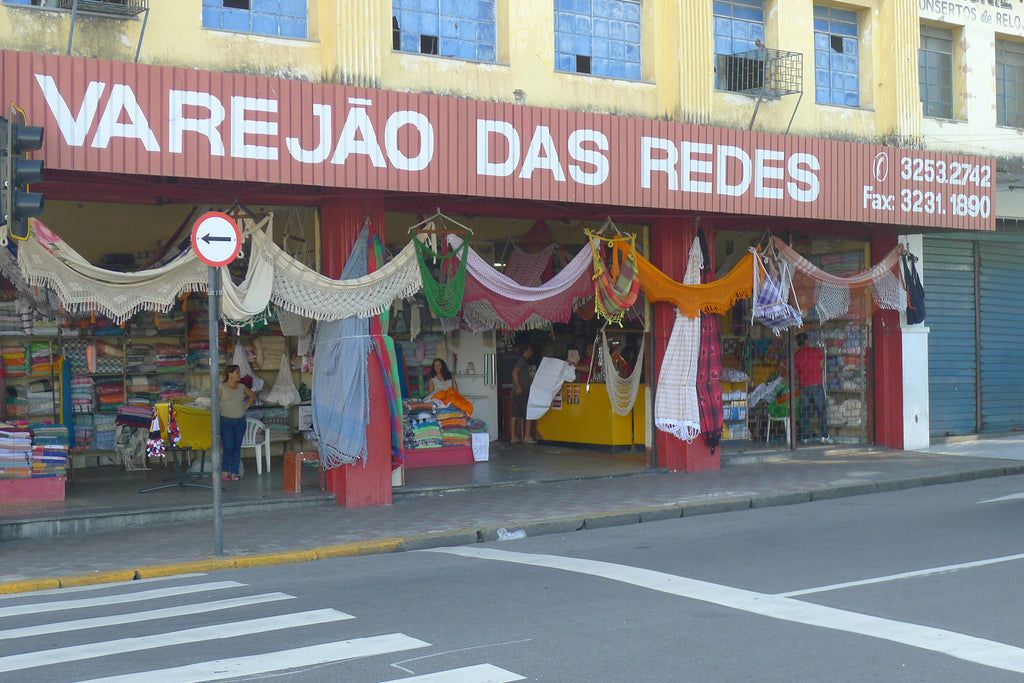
pixel 611 299
pixel 709 362
pixel 445 299
pixel 675 400
pixel 622 391
pixel 915 290
pixel 528 269
pixel 46 261
pixel 384 346
pixel 492 300
pixel 248 301
pixel 303 291
pixel 832 293
pixel 717 296
pixel 340 372
pixel 772 286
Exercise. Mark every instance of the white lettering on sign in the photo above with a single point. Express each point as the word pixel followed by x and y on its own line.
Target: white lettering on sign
pixel 241 126
pixel 591 156
pixel 541 153
pixel 74 128
pixel 318 155
pixel 726 170
pixel 484 165
pixel 178 123
pixel 358 122
pixel 421 123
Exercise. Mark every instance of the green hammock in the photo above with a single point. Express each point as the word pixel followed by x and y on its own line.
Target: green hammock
pixel 445 299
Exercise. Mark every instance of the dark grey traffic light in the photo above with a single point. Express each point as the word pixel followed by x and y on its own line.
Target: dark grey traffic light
pixel 17 205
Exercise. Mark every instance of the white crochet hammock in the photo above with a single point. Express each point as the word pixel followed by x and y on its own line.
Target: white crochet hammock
pixel 45 260
pixel 622 391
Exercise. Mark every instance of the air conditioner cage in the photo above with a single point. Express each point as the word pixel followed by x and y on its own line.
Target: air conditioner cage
pixel 121 8
pixel 764 71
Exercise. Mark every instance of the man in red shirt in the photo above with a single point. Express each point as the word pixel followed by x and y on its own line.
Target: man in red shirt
pixel 809 362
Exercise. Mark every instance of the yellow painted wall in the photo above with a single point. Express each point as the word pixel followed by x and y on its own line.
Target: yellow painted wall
pixel 350 42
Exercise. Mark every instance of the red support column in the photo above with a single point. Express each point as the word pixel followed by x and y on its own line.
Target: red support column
pixel 359 485
pixel 887 360
pixel 670 246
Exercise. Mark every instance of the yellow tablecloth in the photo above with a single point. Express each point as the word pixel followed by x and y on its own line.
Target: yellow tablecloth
pixel 193 423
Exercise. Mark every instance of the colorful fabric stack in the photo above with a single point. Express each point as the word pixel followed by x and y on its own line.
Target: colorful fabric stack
pixel 84 432
pixel 49 449
pixel 110 392
pixel 83 395
pixel 38 360
pixel 104 358
pixel 277 418
pixel 40 398
pixel 17 401
pixel 74 354
pixel 11 322
pixel 269 349
pixel 139 359
pixel 170 358
pixel 454 430
pixel 143 388
pixel 135 416
pixel 14 359
pixel 420 428
pixel 170 390
pixel 104 431
pixel 15 453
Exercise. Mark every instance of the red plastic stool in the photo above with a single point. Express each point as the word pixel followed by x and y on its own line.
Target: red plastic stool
pixel 293 469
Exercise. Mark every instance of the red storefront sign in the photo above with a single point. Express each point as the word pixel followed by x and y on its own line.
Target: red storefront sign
pixel 117 117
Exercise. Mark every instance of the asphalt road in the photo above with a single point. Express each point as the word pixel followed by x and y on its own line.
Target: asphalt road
pixel 922 584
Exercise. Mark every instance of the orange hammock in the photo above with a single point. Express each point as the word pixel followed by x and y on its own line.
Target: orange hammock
pixel 710 297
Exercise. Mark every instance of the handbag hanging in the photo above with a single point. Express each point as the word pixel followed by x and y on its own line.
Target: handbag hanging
pixel 915 290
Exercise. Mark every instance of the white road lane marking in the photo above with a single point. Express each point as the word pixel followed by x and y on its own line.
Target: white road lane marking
pixel 147 615
pixel 968 648
pixel 234 629
pixel 481 673
pixel 61 605
pixel 98 586
pixel 254 665
pixel 904 575
pixel 1012 496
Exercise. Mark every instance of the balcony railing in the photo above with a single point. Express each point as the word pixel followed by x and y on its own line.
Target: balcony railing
pixel 118 8
pixel 765 71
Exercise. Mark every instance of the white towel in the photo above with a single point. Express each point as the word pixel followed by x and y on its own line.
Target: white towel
pixel 547 383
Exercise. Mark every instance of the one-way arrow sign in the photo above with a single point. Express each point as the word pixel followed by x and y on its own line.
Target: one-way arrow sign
pixel 216 238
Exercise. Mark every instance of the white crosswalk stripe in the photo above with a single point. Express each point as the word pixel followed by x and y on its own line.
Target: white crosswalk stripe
pixel 215 630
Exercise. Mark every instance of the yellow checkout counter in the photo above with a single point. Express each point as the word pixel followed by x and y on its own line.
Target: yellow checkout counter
pixel 586 419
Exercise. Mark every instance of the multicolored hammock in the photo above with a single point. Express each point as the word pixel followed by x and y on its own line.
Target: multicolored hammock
pixel 691 300
pixel 492 300
pixel 612 299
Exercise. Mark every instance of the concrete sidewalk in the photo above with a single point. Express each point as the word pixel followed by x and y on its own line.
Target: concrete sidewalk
pixel 456 517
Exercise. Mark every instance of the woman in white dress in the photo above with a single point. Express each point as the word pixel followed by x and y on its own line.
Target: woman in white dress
pixel 440 379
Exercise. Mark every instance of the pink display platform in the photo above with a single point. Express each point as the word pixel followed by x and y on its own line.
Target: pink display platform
pixel 432 457
pixel 41 488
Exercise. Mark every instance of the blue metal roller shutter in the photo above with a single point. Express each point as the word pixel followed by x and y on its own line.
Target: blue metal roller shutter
pixel 1001 285
pixel 952 362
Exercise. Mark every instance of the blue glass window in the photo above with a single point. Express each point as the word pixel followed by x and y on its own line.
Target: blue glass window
pixel 836 57
pixel 285 18
pixel 464 29
pixel 599 37
pixel 738 26
pixel 1009 73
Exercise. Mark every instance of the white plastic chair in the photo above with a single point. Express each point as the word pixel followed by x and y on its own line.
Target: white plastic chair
pixel 261 446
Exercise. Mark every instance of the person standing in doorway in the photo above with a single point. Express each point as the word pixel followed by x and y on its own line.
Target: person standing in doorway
pixel 521 381
pixel 235 399
pixel 810 362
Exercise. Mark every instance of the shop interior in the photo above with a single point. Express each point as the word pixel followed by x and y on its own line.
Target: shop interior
pixel 161 358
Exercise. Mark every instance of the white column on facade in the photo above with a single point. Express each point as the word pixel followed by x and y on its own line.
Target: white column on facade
pixel 916 416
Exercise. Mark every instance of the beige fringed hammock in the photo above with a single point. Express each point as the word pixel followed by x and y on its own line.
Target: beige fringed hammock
pixel 831 294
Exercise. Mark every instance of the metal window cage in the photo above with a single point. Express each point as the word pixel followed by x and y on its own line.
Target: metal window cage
pixel 765 71
pixel 121 8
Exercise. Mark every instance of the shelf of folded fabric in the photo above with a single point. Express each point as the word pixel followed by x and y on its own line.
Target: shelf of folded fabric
pixel 33 462
pixel 433 436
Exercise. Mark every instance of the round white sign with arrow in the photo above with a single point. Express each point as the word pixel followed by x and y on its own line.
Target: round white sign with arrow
pixel 216 238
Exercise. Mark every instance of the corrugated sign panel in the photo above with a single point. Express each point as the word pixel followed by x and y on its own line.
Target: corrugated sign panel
pixel 119 117
pixel 1001 281
pixel 952 364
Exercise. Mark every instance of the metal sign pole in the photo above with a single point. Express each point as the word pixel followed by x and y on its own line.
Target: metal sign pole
pixel 218 513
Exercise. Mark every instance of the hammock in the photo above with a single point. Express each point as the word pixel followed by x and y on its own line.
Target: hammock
pixel 771 297
pixel 527 269
pixel 622 392
pixel 45 260
pixel 691 300
pixel 612 299
pixel 675 401
pixel 831 293
pixel 513 306
pixel 709 364
pixel 445 299
pixel 340 370
pixel 241 303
